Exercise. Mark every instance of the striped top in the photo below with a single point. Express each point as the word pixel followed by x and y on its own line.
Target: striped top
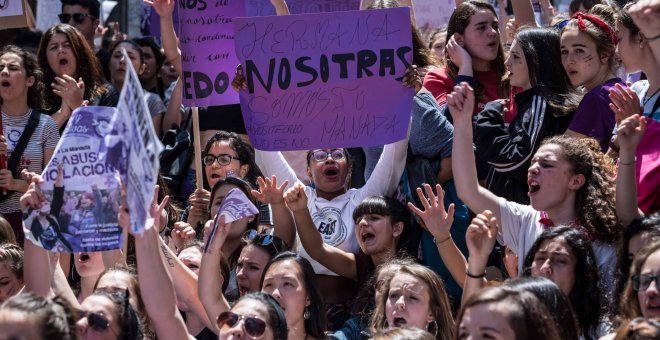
pixel 45 137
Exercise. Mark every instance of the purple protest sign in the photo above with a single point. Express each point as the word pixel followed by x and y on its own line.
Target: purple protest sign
pixel 207 50
pixel 234 207
pixel 255 8
pixel 325 80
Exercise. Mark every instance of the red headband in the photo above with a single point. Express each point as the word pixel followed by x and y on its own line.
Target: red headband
pixel 594 20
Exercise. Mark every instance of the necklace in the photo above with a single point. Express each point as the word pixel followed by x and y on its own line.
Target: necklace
pixel 647 98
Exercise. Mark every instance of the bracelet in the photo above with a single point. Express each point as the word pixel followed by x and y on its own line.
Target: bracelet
pixel 437 243
pixel 467 272
pixel 631 163
pixel 653 38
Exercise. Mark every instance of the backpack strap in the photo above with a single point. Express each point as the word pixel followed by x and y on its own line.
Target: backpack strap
pixel 16 154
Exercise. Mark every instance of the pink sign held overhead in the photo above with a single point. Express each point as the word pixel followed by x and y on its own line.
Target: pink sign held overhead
pixel 207 50
pixel 325 80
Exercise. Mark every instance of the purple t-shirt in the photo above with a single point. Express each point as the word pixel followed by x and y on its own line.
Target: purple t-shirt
pixel 593 117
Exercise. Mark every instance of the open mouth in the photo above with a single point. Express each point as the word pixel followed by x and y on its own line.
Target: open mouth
pixel 242 290
pixel 331 172
pixel 493 44
pixel 215 176
pixel 367 237
pixel 5 83
pixel 84 257
pixel 533 187
pixel 63 62
pixel 399 322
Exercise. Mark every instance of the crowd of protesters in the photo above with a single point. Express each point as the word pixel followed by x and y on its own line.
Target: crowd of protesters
pixel 540 220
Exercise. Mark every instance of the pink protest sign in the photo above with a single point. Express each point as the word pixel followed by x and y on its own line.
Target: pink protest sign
pixel 207 50
pixel 234 207
pixel 325 80
pixel 265 8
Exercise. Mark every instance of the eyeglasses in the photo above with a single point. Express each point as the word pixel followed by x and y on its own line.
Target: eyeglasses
pixel 96 321
pixel 272 243
pixel 223 159
pixel 322 155
pixel 252 326
pixel 78 18
pixel 642 282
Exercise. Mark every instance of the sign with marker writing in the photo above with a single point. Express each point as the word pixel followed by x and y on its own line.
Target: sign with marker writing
pixel 207 50
pixel 255 8
pixel 325 80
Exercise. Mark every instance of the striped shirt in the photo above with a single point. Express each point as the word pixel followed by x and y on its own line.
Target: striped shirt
pixel 45 137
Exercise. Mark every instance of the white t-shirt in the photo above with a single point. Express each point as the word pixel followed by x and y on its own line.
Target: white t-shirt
pixel 334 219
pixel 520 227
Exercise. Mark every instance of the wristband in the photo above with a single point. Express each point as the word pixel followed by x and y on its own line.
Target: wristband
pixel 631 163
pixel 467 272
pixel 437 243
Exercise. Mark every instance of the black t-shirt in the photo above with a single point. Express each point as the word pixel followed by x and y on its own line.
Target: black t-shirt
pixel 103 56
pixel 226 117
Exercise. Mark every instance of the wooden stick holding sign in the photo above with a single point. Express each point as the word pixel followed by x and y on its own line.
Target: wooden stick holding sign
pixel 198 148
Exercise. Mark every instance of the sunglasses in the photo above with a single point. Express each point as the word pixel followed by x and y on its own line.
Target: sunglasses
pixel 223 159
pixel 78 18
pixel 252 326
pixel 561 24
pixel 322 155
pixel 96 321
pixel 268 241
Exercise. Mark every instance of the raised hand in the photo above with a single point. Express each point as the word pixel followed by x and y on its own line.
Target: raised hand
pixel 295 198
pixel 70 90
pixel 630 133
pixel 268 191
pixel 625 102
pixel 220 235
pixel 461 103
pixel 436 220
pixel 33 197
pixel 164 8
pixel 457 53
pixel 646 15
pixel 480 237
pixel 156 209
pixel 182 233
pixel 199 202
pixel 3 145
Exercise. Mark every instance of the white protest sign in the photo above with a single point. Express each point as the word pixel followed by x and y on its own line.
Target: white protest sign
pixel 134 134
pixel 10 8
pixel 47 11
pixel 80 213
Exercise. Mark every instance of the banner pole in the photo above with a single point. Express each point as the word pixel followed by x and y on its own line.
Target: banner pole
pixel 3 163
pixel 198 149
pixel 124 246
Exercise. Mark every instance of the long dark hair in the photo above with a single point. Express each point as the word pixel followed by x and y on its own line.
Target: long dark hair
pixel 53 317
pixel 554 299
pixel 317 322
pixel 35 94
pixel 276 318
pixel 546 73
pixel 245 153
pixel 397 212
pixel 586 294
pixel 87 66
pixel 458 22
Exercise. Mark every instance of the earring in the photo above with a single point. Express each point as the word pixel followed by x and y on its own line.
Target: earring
pixel 306 313
pixel 435 328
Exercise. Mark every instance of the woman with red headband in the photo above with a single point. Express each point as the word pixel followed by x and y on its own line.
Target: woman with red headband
pixel 588 44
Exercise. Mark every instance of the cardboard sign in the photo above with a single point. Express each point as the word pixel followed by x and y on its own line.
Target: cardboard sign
pixel 207 50
pixel 13 14
pixel 136 147
pixel 234 207
pixel 265 8
pixel 80 214
pixel 325 80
